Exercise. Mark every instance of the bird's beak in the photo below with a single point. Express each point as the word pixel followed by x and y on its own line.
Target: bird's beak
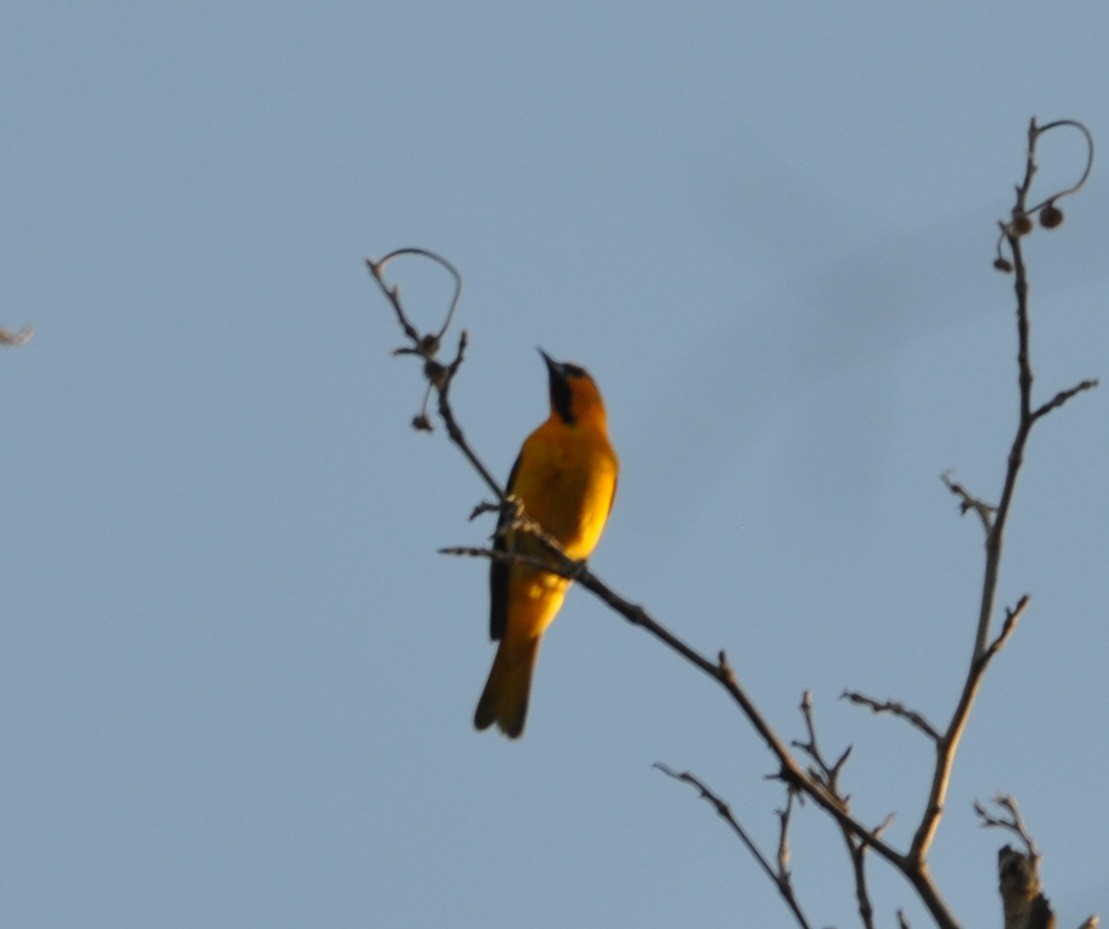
pixel 553 366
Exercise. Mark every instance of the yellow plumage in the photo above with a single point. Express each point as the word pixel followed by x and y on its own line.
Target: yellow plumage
pixel 565 476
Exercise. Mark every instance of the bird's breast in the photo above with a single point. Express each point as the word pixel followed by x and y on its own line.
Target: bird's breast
pixel 567 486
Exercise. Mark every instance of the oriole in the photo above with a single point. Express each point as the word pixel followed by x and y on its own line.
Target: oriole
pixel 565 477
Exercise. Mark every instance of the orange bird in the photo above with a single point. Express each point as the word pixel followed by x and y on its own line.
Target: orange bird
pixel 565 476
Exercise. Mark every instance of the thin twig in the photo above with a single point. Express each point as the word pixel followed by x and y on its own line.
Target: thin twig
pixel 1008 627
pixel 857 852
pixel 565 567
pixel 912 717
pixel 1010 820
pixel 781 877
pixel 969 502
pixel 426 346
pixel 422 344
pixel 1075 124
pixel 827 774
pixel 857 845
pixel 457 436
pixel 1063 396
pixel 785 816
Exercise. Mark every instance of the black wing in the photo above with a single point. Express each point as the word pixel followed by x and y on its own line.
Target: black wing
pixel 498 577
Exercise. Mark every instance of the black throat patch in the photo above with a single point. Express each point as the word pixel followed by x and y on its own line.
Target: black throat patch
pixel 562 399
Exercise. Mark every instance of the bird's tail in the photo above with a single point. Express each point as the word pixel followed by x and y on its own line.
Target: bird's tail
pixel 505 698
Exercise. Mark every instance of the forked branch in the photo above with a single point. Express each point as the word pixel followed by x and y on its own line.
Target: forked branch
pixel 995 519
pixel 780 877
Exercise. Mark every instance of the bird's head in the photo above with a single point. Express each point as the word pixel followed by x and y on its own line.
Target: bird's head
pixel 574 395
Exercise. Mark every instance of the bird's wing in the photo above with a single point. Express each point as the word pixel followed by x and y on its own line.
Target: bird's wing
pixel 498 575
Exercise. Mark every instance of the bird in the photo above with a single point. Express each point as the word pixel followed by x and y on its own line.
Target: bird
pixel 565 477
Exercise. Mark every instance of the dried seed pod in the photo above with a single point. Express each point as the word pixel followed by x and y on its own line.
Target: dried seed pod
pixel 1051 216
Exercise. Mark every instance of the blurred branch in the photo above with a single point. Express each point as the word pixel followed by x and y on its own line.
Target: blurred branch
pixel 18 337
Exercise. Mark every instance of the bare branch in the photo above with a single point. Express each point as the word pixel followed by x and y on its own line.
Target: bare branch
pixel 1050 214
pixel 857 844
pixel 785 815
pixel 1074 124
pixel 790 771
pixel 781 877
pixel 455 431
pixel 1063 396
pixel 482 508
pixel 1011 821
pixel 969 502
pixel 825 773
pixel 1008 627
pixel 985 648
pixel 896 709
pixel 560 566
pixel 425 346
pixel 857 851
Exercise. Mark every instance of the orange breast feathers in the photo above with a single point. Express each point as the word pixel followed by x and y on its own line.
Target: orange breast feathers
pixel 566 480
pixel 565 476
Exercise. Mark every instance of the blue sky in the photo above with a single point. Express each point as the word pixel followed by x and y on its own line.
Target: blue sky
pixel 237 681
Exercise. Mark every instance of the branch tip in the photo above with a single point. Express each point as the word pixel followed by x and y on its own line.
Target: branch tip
pixel 894 708
pixel 1010 820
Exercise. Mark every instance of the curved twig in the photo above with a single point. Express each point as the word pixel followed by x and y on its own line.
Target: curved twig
pixel 377 269
pixel 1055 124
pixel 781 878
